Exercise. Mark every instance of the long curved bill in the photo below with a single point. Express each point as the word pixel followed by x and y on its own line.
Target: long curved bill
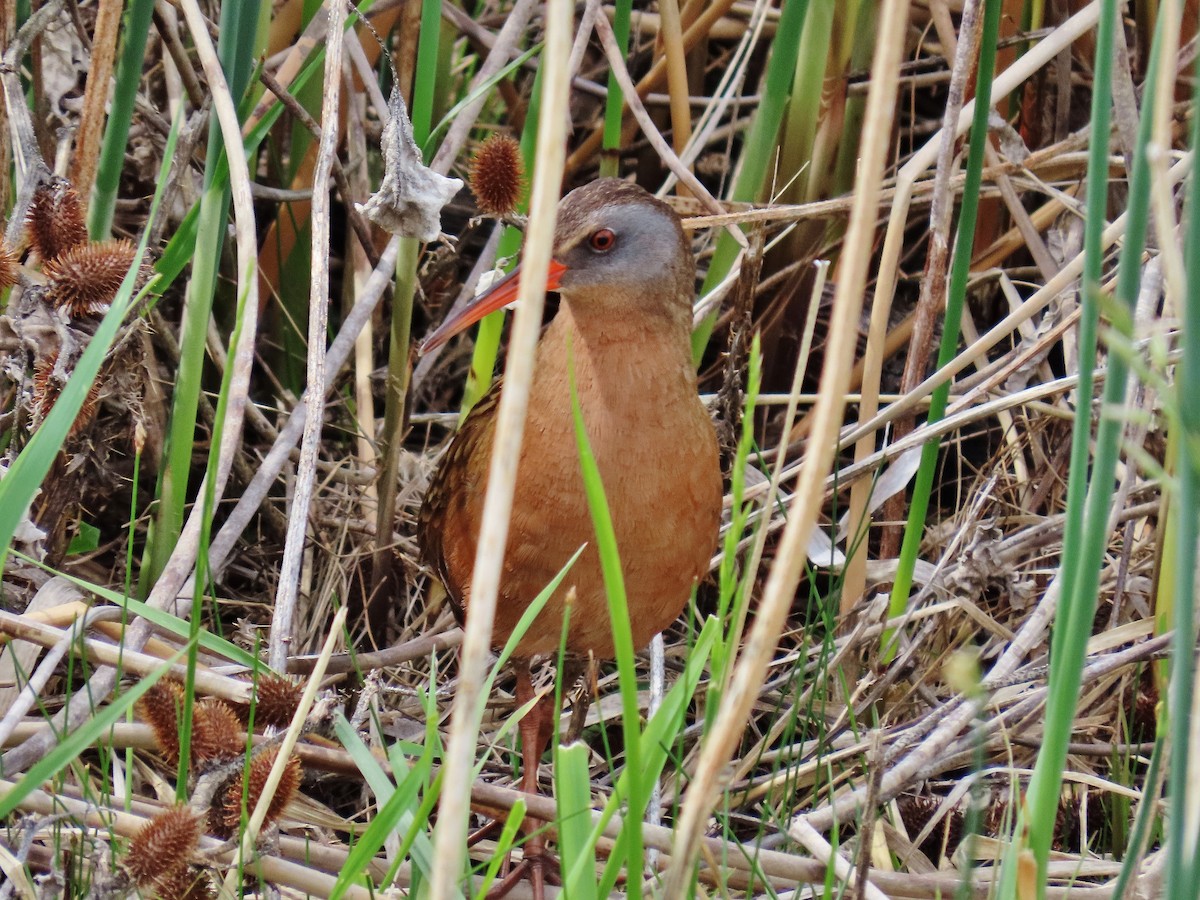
pixel 502 293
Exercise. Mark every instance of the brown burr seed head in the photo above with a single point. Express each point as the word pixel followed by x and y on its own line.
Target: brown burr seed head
pixel 277 698
pixel 216 732
pixel 46 390
pixel 916 812
pixel 256 778
pixel 85 279
pixel 163 846
pixel 497 175
pixel 10 266
pixel 191 883
pixel 55 219
pixel 160 707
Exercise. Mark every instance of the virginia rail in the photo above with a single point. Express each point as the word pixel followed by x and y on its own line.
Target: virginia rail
pixel 626 276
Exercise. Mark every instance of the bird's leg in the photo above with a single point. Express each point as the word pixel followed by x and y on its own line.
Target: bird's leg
pixel 579 674
pixel 532 727
pixel 535 729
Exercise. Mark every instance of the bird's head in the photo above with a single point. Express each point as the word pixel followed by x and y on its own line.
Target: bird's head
pixel 618 250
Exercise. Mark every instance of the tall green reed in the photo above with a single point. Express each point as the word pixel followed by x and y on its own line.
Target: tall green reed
pixel 1183 868
pixel 956 296
pixel 759 149
pixel 241 33
pixel 1089 498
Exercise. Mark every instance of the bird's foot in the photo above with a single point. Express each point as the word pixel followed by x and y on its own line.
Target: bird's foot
pixel 537 864
pixel 540 867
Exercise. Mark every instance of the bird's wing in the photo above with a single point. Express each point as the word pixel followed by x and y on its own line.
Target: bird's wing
pixel 448 487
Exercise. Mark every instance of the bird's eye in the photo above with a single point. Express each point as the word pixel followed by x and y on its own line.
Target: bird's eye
pixel 603 240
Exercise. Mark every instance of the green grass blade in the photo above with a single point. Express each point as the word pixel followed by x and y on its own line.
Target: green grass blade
pixel 161 620
pixel 1077 609
pixel 426 80
pixel 239 36
pixel 614 105
pixel 759 148
pixel 134 32
pixel 398 807
pixel 1182 866
pixel 504 843
pixel 573 791
pixel 657 741
pixel 74 744
pixel 618 610
pixel 960 274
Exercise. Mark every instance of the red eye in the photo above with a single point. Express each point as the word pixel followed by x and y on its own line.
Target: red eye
pixel 603 240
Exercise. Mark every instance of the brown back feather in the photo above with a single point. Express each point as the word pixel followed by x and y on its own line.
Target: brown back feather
pixel 444 487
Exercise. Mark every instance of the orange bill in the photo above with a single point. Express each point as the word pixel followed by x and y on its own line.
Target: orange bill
pixel 500 294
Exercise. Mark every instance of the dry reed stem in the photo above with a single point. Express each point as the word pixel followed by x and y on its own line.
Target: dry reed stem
pixel 284 611
pixel 95 97
pixel 358 176
pixel 404 652
pixel 1031 307
pixel 929 304
pixel 450 832
pixel 729 87
pixel 272 464
pixel 617 62
pixel 671 36
pixel 885 287
pixel 24 653
pixel 785 573
pixel 130 660
pixel 695 32
pixel 301 875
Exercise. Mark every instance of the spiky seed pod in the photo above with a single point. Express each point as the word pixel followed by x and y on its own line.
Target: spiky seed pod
pixel 497 175
pixel 46 390
pixel 162 847
pixel 217 813
pixel 160 707
pixel 256 778
pixel 84 279
pixel 916 812
pixel 277 698
pixel 191 883
pixel 216 733
pixel 10 266
pixel 55 221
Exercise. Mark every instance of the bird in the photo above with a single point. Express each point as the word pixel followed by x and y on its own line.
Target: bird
pixel 626 277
